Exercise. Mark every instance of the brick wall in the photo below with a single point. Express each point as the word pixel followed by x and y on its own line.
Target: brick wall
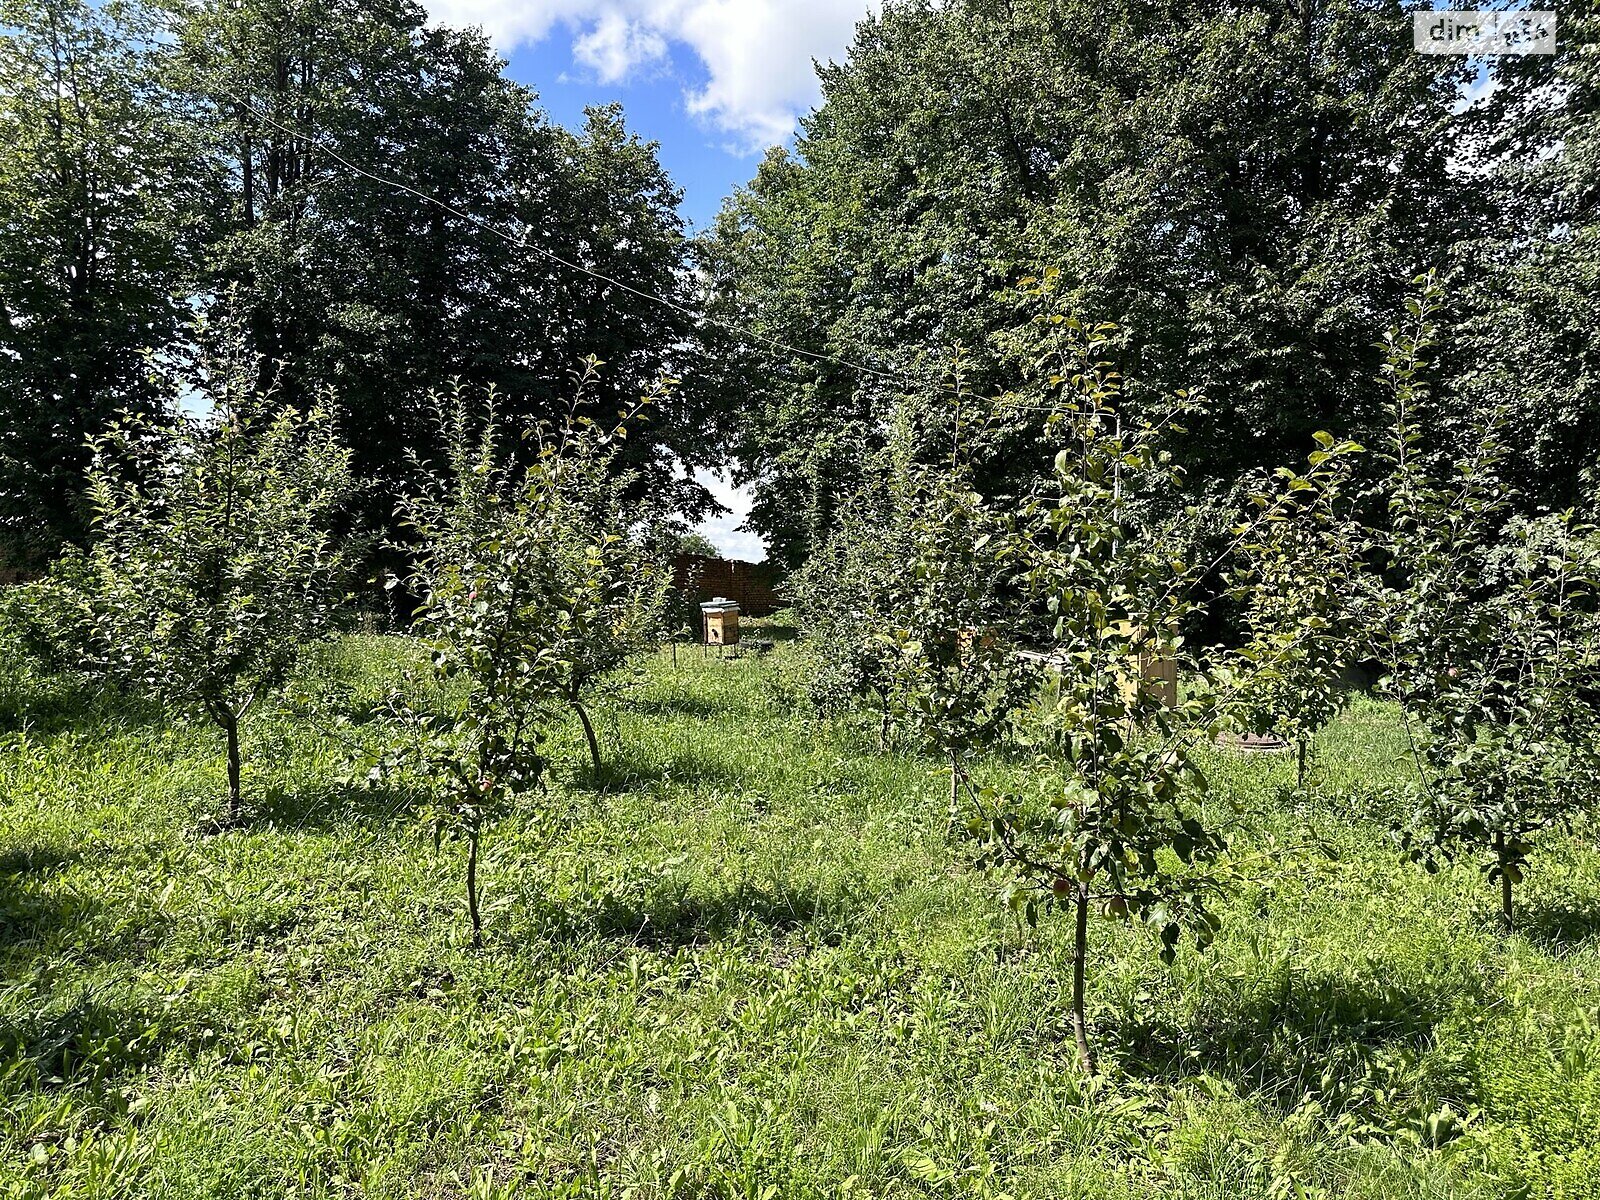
pixel 756 586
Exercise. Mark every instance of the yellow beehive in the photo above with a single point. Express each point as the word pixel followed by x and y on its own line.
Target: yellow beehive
pixel 1157 673
pixel 721 617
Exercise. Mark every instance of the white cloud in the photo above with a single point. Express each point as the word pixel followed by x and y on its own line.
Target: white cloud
pixel 757 54
pixel 616 47
pixel 508 23
pixel 723 530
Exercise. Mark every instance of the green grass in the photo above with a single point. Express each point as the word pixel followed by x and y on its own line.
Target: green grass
pixel 747 963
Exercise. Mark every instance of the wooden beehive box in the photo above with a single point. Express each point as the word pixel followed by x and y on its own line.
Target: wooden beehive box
pixel 1153 674
pixel 1160 677
pixel 721 619
pixel 970 638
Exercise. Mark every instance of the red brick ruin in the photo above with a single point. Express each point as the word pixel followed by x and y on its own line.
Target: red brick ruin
pixel 753 585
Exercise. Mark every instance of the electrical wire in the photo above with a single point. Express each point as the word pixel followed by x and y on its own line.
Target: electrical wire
pixel 524 243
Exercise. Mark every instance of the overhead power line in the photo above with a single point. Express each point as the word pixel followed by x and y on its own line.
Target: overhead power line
pixel 524 243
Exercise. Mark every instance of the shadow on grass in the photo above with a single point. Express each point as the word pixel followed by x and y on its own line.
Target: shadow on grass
pixel 60 705
pixel 669 918
pixel 625 770
pixel 40 926
pixel 677 920
pixel 323 809
pixel 32 915
pixel 1290 1038
pixel 92 1043
pixel 677 706
pixel 1559 928
pixel 36 860
pixel 774 633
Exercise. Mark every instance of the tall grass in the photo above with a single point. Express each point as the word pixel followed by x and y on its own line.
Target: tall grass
pixel 746 961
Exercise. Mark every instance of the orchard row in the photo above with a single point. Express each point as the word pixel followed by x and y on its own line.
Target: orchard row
pixel 1032 624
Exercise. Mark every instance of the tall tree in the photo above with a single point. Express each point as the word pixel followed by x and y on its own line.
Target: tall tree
pixel 1524 341
pixel 384 292
pixel 100 182
pixel 1244 189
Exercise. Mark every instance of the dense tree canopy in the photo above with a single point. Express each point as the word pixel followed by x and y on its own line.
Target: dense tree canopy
pixel 98 202
pixel 381 295
pixel 1245 189
pixel 1529 308
pixel 159 164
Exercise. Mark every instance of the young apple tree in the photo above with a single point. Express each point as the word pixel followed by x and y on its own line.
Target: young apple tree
pixel 842 604
pixel 615 594
pixel 954 671
pixel 212 561
pixel 1298 579
pixel 1112 823
pixel 1487 625
pixel 506 569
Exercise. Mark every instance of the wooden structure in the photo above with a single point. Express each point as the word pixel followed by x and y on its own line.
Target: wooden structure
pixel 970 639
pixel 720 617
pixel 1159 677
pixel 1152 674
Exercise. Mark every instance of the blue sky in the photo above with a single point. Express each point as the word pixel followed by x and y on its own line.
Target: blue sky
pixel 694 156
pixel 714 82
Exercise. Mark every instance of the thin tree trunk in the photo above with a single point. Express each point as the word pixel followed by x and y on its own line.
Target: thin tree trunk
pixel 955 787
pixel 588 732
pixel 674 654
pixel 1302 774
pixel 472 885
pixel 1080 955
pixel 230 726
pixel 1506 914
pixel 248 169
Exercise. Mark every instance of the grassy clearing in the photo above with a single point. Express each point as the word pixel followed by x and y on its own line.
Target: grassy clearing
pixel 747 963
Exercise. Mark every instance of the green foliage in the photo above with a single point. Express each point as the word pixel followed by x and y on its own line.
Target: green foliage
pixel 213 561
pixel 99 181
pixel 680 611
pixel 1548 1069
pixel 1525 293
pixel 1244 188
pixel 1298 581
pixel 1099 832
pixel 843 606
pixel 698 543
pixel 534 591
pixel 616 577
pixel 758 962
pixel 490 582
pixel 616 602
pixel 954 669
pixel 1488 629
pixel 45 627
pixel 903 603
pixel 386 296
pixel 161 160
pixel 1114 822
pixel 52 620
